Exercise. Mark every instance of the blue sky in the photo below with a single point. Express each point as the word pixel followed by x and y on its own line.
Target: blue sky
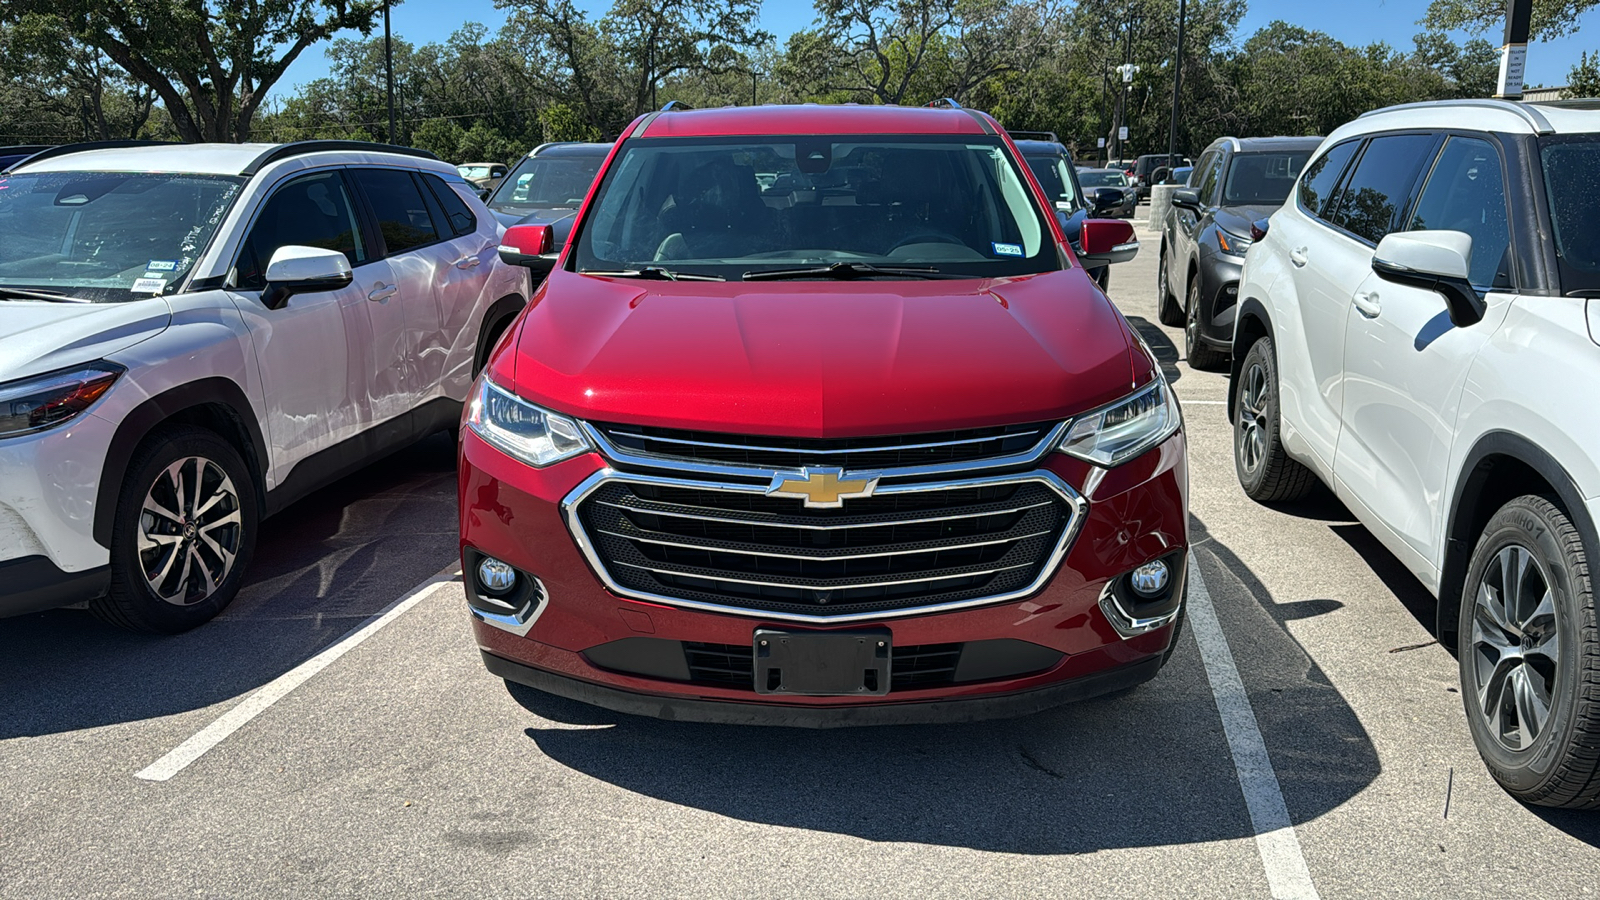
pixel 1351 21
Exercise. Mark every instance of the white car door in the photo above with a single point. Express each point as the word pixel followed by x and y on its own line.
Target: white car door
pixel 1406 364
pixel 312 352
pixel 451 322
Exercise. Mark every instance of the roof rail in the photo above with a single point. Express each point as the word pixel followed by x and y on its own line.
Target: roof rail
pixel 945 103
pixel 1537 122
pixel 300 148
pixel 675 105
pixel 1035 136
pixel 81 147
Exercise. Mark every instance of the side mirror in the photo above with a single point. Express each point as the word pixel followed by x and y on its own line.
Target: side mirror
pixel 1186 199
pixel 304 270
pixel 1106 199
pixel 483 194
pixel 1258 229
pixel 1105 242
pixel 529 246
pixel 1434 261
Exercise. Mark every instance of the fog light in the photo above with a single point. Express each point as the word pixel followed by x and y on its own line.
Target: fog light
pixel 1149 580
pixel 498 577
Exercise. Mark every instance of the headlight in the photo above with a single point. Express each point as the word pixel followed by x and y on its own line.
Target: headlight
pixel 1232 244
pixel 1119 432
pixel 45 401
pixel 530 433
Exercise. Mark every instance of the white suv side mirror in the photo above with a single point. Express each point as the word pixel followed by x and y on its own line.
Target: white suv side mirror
pixel 304 270
pixel 1435 261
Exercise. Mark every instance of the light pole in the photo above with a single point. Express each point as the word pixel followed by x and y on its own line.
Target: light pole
pixel 388 67
pixel 1127 71
pixel 1177 89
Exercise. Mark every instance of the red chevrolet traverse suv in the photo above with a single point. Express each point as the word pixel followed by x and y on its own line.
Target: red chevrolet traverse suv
pixel 818 420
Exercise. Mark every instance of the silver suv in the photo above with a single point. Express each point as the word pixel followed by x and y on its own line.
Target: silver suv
pixel 194 336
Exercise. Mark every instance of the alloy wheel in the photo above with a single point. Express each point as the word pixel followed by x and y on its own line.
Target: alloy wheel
pixel 1253 397
pixel 1191 324
pixel 1515 645
pixel 190 531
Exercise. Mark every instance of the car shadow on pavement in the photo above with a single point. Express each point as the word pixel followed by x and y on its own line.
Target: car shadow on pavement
pixel 1147 767
pixel 1167 354
pixel 321 566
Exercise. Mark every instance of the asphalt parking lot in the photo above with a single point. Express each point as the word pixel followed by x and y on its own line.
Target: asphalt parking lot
pixel 1338 764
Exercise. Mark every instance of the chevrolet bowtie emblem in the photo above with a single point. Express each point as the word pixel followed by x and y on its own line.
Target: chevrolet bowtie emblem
pixel 822 488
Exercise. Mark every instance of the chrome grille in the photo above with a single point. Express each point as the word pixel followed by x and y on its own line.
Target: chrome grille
pixel 908 548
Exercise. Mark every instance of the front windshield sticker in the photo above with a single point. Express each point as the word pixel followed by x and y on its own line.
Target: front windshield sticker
pixel 148 285
pixel 161 265
pixel 1007 249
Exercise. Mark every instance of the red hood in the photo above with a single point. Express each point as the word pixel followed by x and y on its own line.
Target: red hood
pixel 823 359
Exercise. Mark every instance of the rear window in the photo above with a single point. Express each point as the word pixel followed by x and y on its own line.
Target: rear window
pixel 1572 182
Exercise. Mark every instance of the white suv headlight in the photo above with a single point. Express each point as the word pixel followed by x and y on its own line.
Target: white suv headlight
pixel 1121 431
pixel 529 433
pixel 45 401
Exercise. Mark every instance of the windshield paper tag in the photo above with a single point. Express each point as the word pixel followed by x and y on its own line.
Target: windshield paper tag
pixel 148 285
pixel 162 265
pixel 1007 249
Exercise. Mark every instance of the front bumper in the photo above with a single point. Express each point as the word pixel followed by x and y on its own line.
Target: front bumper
pixel 1219 296
pixel 1135 513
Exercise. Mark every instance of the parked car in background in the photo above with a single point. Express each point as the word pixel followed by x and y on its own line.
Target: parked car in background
pixel 1207 231
pixel 1418 331
pixel 1051 163
pixel 1115 180
pixel 10 156
pixel 548 186
pixel 818 420
pixel 1145 166
pixel 194 336
pixel 483 176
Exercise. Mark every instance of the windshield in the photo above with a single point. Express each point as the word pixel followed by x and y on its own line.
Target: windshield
pixel 107 236
pixel 730 206
pixel 1572 182
pixel 1263 178
pixel 473 171
pixel 1102 179
pixel 1055 178
pixel 548 182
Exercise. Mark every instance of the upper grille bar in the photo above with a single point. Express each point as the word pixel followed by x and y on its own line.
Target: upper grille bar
pixel 723 547
pixel 808 450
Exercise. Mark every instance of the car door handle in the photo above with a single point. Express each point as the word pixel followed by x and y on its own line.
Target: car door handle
pixel 468 262
pixel 382 292
pixel 1368 305
pixel 1298 256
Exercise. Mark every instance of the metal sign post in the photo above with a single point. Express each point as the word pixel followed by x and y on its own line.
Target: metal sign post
pixel 1514 50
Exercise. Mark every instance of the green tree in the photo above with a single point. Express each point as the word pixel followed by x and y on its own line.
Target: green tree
pixel 1551 18
pixel 1583 80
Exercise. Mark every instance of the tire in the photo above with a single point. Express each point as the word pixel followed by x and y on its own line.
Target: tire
pixel 1200 354
pixel 209 529
pixel 1528 635
pixel 1265 470
pixel 1167 308
pixel 488 338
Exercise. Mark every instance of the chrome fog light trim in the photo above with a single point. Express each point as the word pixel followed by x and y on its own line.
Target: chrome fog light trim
pixel 1126 625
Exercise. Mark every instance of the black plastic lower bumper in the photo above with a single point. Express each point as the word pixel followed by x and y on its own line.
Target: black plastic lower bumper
pixel 35 583
pixel 688 709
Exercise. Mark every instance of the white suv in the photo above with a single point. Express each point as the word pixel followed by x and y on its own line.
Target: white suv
pixel 194 336
pixel 1417 328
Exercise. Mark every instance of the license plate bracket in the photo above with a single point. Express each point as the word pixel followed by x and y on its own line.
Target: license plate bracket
pixel 822 663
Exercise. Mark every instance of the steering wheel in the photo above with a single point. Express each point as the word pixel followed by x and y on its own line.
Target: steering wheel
pixel 928 236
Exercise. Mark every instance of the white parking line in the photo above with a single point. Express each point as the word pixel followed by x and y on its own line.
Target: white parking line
pixel 275 690
pixel 1202 402
pixel 1276 841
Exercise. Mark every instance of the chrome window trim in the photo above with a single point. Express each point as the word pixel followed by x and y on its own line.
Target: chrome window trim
pixel 619 456
pixel 1079 508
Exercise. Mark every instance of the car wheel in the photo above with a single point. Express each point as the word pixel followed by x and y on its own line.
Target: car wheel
pixel 1265 470
pixel 1167 308
pixel 1199 354
pixel 184 532
pixel 1530 659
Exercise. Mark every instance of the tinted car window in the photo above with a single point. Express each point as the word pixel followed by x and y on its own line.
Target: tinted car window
pixel 1054 177
pixel 1262 178
pixel 462 221
pixel 311 211
pixel 548 182
pixel 1317 185
pixel 1572 183
pixel 1106 178
pixel 1381 184
pixel 1467 193
pixel 402 214
pixel 1208 182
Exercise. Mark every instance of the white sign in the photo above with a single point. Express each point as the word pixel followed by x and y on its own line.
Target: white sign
pixel 1100 142
pixel 1122 133
pixel 1513 59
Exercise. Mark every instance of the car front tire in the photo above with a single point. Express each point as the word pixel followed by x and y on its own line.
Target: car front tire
pixel 184 532
pixel 1167 308
pixel 1195 349
pixel 1265 470
pixel 1530 656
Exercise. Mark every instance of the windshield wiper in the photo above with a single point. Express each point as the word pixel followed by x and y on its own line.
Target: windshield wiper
pixel 847 270
pixel 13 293
pixel 656 273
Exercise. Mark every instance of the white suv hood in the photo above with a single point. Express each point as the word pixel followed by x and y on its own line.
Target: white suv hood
pixel 38 337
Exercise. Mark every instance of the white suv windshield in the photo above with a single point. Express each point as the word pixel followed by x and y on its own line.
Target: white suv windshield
pixel 733 206
pixel 107 236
